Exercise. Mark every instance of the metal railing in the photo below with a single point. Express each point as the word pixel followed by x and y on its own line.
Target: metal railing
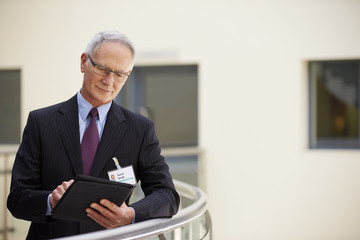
pixel 192 222
pixel 7 154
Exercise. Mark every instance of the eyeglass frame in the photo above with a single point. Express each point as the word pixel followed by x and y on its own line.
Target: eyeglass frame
pixel 107 71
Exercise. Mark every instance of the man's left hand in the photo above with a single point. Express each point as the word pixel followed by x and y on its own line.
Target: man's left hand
pixel 109 215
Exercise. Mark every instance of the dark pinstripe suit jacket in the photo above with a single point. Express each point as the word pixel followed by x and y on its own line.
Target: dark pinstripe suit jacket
pixel 50 154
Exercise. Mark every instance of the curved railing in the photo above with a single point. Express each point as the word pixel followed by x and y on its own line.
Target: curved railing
pixel 191 222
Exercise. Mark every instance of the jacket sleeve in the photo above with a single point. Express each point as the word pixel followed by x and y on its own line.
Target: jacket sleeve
pixel 161 198
pixel 27 200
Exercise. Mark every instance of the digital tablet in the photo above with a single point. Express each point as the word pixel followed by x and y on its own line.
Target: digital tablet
pixel 86 190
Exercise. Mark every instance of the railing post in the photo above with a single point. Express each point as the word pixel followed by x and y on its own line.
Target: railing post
pixel 162 237
pixel 6 151
pixel 209 226
pixel 3 174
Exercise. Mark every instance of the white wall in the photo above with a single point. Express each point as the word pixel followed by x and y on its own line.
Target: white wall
pixel 262 180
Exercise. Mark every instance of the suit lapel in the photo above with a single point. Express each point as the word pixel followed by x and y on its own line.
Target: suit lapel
pixel 68 124
pixel 114 130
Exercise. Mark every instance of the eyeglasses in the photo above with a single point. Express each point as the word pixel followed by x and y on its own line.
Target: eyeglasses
pixel 103 71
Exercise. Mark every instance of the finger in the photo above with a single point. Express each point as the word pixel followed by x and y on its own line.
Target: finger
pixel 105 211
pixel 61 188
pixel 58 192
pixel 98 218
pixel 69 183
pixel 54 198
pixel 109 205
pixel 66 184
pixel 56 195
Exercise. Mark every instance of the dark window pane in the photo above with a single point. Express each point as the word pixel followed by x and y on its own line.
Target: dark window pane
pixel 334 102
pixel 168 96
pixel 10 106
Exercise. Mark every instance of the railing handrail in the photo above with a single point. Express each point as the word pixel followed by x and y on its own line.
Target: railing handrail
pixel 156 227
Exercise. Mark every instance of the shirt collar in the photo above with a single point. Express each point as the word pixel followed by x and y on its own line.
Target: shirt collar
pixel 85 107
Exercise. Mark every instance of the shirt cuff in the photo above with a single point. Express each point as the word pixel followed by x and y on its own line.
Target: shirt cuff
pixel 48 210
pixel 133 221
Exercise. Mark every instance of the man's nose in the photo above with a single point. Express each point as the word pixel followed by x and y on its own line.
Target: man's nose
pixel 109 78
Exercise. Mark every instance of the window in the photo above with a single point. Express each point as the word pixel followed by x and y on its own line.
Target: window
pixel 334 104
pixel 10 106
pixel 168 95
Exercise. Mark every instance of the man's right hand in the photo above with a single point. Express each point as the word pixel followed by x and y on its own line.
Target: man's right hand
pixel 58 192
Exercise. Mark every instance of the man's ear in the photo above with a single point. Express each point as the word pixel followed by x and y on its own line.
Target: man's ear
pixel 84 58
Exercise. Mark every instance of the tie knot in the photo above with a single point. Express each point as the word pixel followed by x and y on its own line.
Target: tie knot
pixel 93 112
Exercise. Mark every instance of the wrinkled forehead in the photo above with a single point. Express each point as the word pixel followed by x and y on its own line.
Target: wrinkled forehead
pixel 115 56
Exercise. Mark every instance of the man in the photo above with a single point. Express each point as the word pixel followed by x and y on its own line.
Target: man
pixel 51 153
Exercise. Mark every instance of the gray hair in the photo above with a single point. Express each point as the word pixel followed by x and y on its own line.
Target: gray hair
pixel 110 36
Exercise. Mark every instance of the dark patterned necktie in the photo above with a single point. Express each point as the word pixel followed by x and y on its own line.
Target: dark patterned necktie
pixel 90 142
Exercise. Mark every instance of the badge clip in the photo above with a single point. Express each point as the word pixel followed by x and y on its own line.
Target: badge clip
pixel 116 163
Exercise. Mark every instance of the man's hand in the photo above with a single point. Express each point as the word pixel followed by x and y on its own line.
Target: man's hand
pixel 109 215
pixel 58 192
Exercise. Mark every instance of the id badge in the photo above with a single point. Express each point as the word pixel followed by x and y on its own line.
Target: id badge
pixel 125 174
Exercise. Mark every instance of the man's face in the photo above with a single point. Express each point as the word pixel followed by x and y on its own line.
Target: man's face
pixel 99 90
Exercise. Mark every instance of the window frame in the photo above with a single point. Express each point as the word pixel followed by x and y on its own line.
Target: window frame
pixel 331 143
